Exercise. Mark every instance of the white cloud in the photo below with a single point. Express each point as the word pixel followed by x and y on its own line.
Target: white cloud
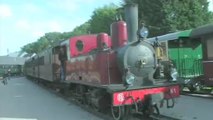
pixel 37 29
pixel 86 1
pixel 32 8
pixel 55 26
pixel 23 24
pixel 32 19
pixel 37 34
pixel 5 11
pixel 68 5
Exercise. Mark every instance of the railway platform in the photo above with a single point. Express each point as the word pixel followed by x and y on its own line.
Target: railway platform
pixel 191 108
pixel 22 99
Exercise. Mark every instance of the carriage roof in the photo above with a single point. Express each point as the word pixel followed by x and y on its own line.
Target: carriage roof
pixel 201 31
pixel 171 36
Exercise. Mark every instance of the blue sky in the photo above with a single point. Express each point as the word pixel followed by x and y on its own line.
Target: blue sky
pixel 24 21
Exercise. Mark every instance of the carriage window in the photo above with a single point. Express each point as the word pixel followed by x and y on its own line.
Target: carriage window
pixel 79 45
pixel 41 60
pixel 210 48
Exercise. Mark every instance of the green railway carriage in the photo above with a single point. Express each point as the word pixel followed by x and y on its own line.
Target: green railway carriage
pixel 192 53
pixel 188 60
pixel 186 53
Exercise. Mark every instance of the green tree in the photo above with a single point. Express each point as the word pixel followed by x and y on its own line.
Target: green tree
pixel 82 29
pixel 79 30
pixel 164 16
pixel 99 22
pixel 102 18
pixel 186 14
pixel 52 37
pixel 29 48
pixel 66 35
pixel 42 43
pixel 49 39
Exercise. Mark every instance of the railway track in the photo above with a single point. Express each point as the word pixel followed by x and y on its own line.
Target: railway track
pixel 201 95
pixel 105 115
pixel 162 117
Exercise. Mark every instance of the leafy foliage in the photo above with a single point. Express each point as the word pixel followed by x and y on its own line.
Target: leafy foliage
pixel 42 43
pixel 102 18
pixel 50 38
pixel 164 16
pixel 186 15
pixel 99 22
pixel 161 16
pixel 82 29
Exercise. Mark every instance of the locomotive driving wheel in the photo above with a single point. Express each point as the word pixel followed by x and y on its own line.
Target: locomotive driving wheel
pixel 149 108
pixel 121 112
pixel 80 94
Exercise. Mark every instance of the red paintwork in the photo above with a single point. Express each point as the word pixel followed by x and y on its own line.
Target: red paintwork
pixel 208 72
pixel 89 42
pixel 93 69
pixel 102 39
pixel 99 68
pixel 119 34
pixel 122 98
pixel 110 73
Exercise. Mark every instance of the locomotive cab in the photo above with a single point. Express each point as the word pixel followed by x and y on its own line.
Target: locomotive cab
pixel 61 48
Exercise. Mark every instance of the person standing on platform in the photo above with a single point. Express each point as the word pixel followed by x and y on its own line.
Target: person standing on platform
pixel 5 77
pixel 62 58
pixel 8 73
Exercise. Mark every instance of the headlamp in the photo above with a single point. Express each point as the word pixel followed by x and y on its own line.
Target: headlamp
pixel 144 32
pixel 130 78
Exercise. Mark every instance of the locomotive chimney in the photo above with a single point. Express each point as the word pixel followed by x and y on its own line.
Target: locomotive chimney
pixel 131 18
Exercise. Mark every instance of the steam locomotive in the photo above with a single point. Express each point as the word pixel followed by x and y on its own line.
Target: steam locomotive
pixel 108 72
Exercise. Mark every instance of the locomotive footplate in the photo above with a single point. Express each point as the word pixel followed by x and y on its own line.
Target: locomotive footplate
pixel 128 96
